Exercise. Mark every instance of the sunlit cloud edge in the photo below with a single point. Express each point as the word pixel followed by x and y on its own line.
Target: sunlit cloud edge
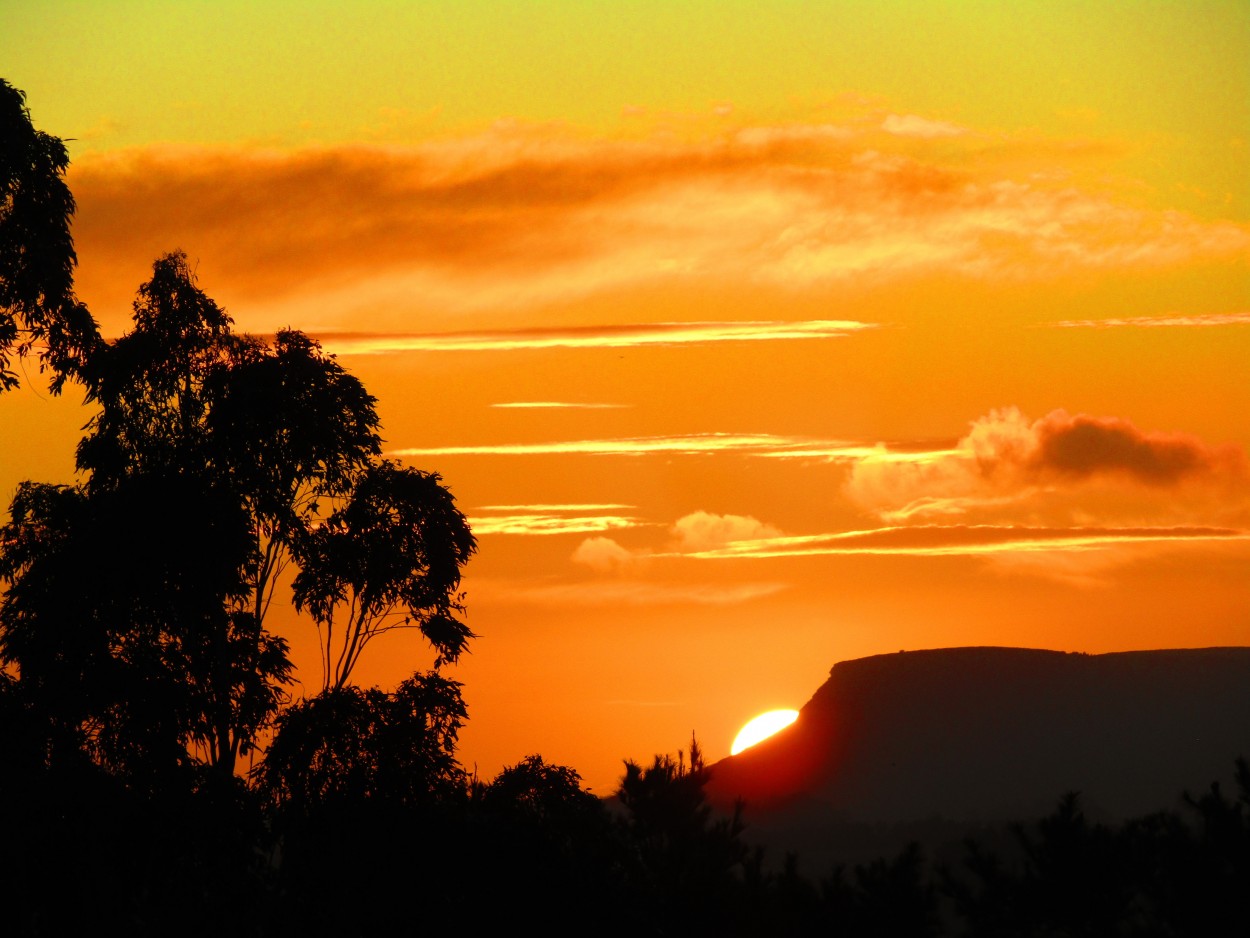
pixel 589 337
pixel 756 444
pixel 1155 322
pixel 974 540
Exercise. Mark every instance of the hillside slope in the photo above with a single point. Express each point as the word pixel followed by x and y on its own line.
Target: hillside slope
pixel 951 738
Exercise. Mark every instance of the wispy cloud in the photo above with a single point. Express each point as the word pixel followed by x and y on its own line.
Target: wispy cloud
pixel 521 216
pixel 690 445
pixel 912 125
pixel 557 405
pixel 1173 320
pixel 561 508
pixel 587 337
pixel 546 524
pixel 604 555
pixel 691 534
pixel 964 540
pixel 529 520
pixel 623 593
pixel 1075 554
pixel 1007 460
pixel 703 530
pixel 768 445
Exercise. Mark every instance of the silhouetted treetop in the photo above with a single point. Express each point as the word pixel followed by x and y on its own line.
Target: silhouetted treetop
pixel 37 259
pixel 538 792
pixel 390 557
pixel 348 746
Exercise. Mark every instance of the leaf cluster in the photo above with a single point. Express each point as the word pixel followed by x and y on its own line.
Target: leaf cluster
pixel 37 259
pixel 349 745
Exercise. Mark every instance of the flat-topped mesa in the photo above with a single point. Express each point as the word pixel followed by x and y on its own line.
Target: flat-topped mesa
pixel 987 734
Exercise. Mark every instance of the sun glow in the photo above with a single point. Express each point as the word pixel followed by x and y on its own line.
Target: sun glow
pixel 763 726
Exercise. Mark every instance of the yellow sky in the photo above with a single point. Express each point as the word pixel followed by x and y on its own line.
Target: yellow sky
pixel 751 338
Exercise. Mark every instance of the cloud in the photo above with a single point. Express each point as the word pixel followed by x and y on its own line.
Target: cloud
pixel 603 554
pixel 764 445
pixel 1006 460
pixel 619 336
pixel 535 523
pixel 910 125
pixel 627 593
pixel 557 405
pixel 1175 320
pixel 1074 556
pixel 693 534
pixel 703 530
pixel 689 445
pixel 561 508
pixel 1075 447
pixel 543 520
pixel 965 540
pixel 524 215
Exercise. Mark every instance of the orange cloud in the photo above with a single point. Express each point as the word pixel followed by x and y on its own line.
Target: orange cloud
pixel 764 445
pixel 693 534
pixel 557 405
pixel 1075 447
pixel 691 444
pixel 620 336
pixel 544 524
pixel 965 540
pixel 911 125
pixel 528 520
pixel 1157 322
pixel 621 593
pixel 603 554
pixel 703 530
pixel 524 215
pixel 1006 460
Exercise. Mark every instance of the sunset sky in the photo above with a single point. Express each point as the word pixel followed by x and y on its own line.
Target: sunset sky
pixel 751 337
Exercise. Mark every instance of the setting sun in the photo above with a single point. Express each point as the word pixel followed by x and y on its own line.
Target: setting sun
pixel 763 726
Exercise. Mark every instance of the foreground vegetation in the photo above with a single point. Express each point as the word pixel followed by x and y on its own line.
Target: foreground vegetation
pixel 139 679
pixel 379 844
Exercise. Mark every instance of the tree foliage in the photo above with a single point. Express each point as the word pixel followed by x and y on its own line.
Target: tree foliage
pixel 539 793
pixel 221 457
pixel 127 643
pixel 349 746
pixel 37 259
pixel 284 423
pixel 390 557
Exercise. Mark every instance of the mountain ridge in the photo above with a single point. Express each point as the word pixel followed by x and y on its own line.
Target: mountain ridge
pixel 986 735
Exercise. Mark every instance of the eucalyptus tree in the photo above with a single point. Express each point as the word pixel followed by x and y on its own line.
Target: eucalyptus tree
pixel 114 615
pixel 389 558
pixel 348 747
pixel 38 308
pixel 284 424
pixel 274 425
pixel 269 441
pixel 212 461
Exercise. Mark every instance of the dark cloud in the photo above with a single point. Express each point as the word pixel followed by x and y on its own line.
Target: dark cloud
pixel 1080 446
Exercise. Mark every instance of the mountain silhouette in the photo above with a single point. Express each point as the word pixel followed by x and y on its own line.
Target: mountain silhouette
pixel 932 745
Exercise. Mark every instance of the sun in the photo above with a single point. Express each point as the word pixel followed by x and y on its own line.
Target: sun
pixel 761 728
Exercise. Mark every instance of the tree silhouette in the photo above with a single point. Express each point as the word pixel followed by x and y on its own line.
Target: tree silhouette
pixel 37 302
pixel 539 793
pixel 548 850
pixel 389 558
pixel 128 647
pixel 686 862
pixel 284 423
pixel 279 425
pixel 350 746
pixel 215 453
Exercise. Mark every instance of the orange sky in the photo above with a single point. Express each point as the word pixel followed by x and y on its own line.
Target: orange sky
pixel 840 332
